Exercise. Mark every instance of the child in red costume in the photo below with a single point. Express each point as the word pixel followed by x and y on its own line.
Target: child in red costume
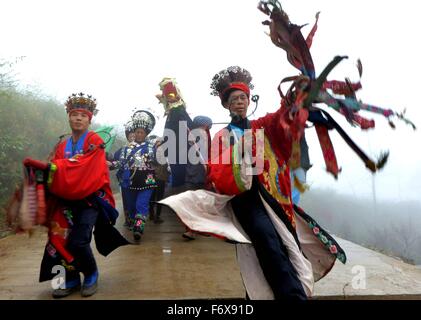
pixel 79 199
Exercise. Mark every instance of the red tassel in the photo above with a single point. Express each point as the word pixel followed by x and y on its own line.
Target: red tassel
pixel 42 208
pixel 328 151
pixel 32 198
pixel 24 222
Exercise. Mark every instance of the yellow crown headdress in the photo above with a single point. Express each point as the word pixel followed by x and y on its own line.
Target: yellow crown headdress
pixel 81 101
pixel 170 95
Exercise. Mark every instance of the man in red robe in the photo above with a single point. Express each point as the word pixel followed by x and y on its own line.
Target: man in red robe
pixel 281 250
pixel 80 198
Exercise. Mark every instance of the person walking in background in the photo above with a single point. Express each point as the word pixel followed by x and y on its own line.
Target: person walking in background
pixel 113 164
pixel 177 126
pixel 199 144
pixel 137 173
pixel 196 173
pixel 162 174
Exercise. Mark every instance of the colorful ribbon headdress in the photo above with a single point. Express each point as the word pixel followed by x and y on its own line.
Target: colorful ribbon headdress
pixel 307 89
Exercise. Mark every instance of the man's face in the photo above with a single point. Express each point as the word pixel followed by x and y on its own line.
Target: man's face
pixel 238 103
pixel 140 135
pixel 79 121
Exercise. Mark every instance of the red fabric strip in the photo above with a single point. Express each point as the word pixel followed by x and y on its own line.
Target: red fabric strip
pixel 327 149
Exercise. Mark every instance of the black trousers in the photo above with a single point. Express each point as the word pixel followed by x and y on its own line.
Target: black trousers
pixel 158 195
pixel 79 241
pixel 271 252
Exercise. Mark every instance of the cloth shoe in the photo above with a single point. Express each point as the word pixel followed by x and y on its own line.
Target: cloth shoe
pixel 71 286
pixel 90 285
pixel 190 235
pixel 139 227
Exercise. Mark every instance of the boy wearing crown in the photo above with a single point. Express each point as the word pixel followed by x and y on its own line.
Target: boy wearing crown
pixel 80 198
pixel 252 204
pixel 137 172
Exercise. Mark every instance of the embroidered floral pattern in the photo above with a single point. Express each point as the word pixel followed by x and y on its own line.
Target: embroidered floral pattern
pixel 236 169
pixel 326 239
pixel 68 266
pixel 51 250
pixel 275 171
pixel 68 215
pixel 51 172
pixel 333 249
pixel 150 179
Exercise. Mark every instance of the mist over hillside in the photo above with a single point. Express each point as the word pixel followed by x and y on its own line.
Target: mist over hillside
pixel 393 228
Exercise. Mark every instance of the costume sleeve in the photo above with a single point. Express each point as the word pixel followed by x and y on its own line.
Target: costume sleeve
pixel 152 153
pixel 281 129
pixel 115 161
pixel 225 174
pixel 57 243
pixel 79 177
pixel 117 154
pixel 59 152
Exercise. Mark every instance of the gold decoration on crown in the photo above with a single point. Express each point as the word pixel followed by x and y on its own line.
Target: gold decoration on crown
pixel 170 95
pixel 81 101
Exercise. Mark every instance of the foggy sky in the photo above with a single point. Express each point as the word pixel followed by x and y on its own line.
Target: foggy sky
pixel 120 50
